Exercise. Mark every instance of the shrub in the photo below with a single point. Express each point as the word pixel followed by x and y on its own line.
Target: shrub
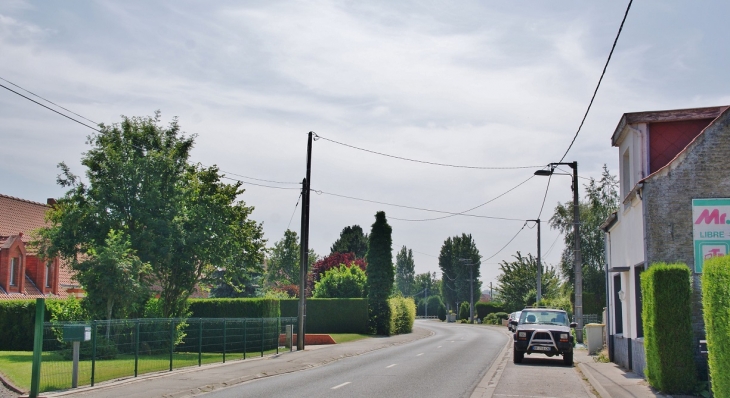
pixel 331 315
pixel 341 282
pixel 403 314
pixel 464 310
pixel 434 306
pixel 666 313
pixel 17 318
pixel 483 309
pixel 234 308
pixel 442 312
pixel 715 299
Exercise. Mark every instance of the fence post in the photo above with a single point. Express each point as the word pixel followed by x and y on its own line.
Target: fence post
pixel 35 378
pixel 224 339
pixel 245 346
pixel 262 337
pixel 93 351
pixel 278 333
pixel 200 341
pixel 136 347
pixel 172 340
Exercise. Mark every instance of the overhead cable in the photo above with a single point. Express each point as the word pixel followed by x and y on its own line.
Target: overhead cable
pixel 507 244
pixel 47 100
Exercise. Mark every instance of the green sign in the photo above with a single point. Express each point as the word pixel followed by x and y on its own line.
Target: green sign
pixel 711 229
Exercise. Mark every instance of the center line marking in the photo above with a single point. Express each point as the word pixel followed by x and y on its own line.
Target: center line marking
pixel 439 346
pixel 390 366
pixel 419 354
pixel 340 385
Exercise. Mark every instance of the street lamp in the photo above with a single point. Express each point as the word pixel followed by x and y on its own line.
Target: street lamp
pixel 577 261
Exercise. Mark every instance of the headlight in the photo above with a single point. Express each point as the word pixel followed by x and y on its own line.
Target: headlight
pixel 563 336
pixel 522 334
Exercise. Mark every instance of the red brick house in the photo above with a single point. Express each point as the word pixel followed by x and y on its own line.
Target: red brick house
pixel 23 274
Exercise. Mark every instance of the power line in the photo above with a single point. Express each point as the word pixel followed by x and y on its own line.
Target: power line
pixel 47 100
pixel 261 179
pixel 423 161
pixel 551 246
pixel 468 210
pixel 294 212
pixel 599 81
pixel 51 109
pixel 258 185
pixel 507 244
pixel 319 192
pixel 547 188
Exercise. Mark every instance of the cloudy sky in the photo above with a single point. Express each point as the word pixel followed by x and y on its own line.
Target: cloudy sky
pixel 489 84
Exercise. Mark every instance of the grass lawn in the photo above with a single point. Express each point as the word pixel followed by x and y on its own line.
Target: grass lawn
pixel 340 338
pixel 56 372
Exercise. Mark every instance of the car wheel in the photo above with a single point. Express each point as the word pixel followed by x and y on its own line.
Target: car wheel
pixel 518 355
pixel 568 358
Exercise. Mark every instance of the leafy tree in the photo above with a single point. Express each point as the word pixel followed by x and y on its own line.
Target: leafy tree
pixel 334 260
pixel 236 286
pixel 341 282
pixel 601 199
pixel 405 271
pixel 179 217
pixel 351 240
pixel 459 258
pixel 518 282
pixel 113 275
pixel 381 274
pixel 284 262
pixel 426 282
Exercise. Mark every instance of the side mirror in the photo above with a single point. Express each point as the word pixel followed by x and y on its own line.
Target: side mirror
pixel 513 323
pixel 573 325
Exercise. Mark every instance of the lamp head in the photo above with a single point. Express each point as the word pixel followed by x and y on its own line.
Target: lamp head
pixel 544 172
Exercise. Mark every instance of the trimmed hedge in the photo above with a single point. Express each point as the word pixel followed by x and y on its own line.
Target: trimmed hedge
pixel 234 308
pixel 464 310
pixel 716 306
pixel 434 306
pixel 483 309
pixel 331 315
pixel 668 341
pixel 402 315
pixel 17 318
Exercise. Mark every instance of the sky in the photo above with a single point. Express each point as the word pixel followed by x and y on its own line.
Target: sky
pixel 473 83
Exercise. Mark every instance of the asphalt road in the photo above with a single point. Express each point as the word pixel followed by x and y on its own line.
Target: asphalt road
pixel 448 364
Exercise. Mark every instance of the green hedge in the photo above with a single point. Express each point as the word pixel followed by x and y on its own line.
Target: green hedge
pixel 402 315
pixel 234 308
pixel 17 318
pixel 434 306
pixel 668 341
pixel 716 306
pixel 483 309
pixel 331 315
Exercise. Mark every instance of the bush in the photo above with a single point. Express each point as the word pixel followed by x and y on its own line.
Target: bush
pixel 331 315
pixel 17 318
pixel 483 309
pixel 715 299
pixel 234 308
pixel 341 282
pixel 442 312
pixel 464 310
pixel 434 306
pixel 668 341
pixel 402 315
pixel 105 349
pixel 495 318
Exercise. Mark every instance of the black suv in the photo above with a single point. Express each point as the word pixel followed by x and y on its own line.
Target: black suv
pixel 543 331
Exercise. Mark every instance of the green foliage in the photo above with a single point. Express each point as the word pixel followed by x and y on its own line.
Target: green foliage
pixel 601 199
pixel 716 306
pixel 343 282
pixel 464 310
pixel 495 318
pixel 402 314
pixel 442 313
pixel 331 315
pixel 105 349
pixel 380 274
pixel 179 217
pixel 405 272
pixel 518 282
pixel 459 258
pixel 561 302
pixel 70 309
pixel 482 309
pixel 667 316
pixel 234 308
pixel 435 305
pixel 284 261
pixel 17 319
pixel 351 240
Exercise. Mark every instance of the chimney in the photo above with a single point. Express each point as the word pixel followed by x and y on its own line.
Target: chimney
pixel 51 202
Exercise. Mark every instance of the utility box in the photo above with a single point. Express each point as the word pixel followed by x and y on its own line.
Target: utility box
pixel 594 337
pixel 76 333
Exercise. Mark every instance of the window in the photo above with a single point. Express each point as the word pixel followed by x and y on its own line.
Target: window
pixel 617 305
pixel 14 271
pixel 49 273
pixel 639 300
pixel 625 174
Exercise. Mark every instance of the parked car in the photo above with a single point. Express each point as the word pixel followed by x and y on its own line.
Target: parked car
pixel 513 317
pixel 543 331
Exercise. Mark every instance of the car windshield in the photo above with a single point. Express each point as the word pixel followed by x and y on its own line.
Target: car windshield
pixel 543 317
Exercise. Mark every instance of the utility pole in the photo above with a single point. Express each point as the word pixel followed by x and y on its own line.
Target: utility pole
pixel 471 287
pixel 491 297
pixel 304 247
pixel 539 265
pixel 425 299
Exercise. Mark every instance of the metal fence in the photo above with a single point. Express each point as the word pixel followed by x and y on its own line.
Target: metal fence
pixel 127 348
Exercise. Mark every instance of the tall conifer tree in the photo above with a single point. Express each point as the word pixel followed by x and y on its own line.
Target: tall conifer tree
pixel 381 274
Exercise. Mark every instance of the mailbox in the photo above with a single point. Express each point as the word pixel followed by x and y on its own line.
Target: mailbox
pixel 76 333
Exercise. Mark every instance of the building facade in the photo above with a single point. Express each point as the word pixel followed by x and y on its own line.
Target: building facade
pixel 667 159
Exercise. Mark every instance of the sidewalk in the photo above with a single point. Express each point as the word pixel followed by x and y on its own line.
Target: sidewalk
pixel 609 380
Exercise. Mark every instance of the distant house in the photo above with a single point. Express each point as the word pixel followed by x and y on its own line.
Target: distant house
pixel 23 274
pixel 673 166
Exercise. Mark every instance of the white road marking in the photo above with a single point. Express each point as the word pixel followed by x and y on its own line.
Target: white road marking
pixel 390 366
pixel 439 346
pixel 419 354
pixel 341 385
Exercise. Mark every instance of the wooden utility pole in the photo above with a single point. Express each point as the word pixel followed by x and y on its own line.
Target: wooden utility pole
pixel 304 247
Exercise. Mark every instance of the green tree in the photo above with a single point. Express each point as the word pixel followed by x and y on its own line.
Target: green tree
pixel 459 258
pixel 405 271
pixel 283 263
pixel 341 282
pixel 351 240
pixel 601 199
pixel 426 282
pixel 381 274
pixel 179 217
pixel 517 283
pixel 113 275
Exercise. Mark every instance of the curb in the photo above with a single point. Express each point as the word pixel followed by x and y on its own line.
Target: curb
pixel 9 385
pixel 486 387
pixel 585 371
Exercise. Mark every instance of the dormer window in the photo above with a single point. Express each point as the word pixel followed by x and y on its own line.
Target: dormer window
pixel 14 265
pixel 49 274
